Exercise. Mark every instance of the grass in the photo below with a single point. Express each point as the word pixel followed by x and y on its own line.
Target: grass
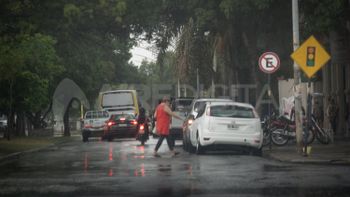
pixel 20 144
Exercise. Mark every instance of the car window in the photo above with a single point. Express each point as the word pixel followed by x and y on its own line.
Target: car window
pixel 231 111
pixel 198 106
pixel 201 110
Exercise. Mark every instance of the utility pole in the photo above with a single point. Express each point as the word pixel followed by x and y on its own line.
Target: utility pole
pixel 297 91
pixel 198 91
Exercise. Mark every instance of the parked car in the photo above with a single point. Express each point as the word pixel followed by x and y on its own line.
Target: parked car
pixel 226 124
pixel 181 106
pixel 93 124
pixel 120 125
pixel 195 107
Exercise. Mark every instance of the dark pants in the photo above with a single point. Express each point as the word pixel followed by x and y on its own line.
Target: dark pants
pixel 169 141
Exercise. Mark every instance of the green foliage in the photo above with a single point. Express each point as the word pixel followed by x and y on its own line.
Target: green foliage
pixel 28 64
pixel 324 16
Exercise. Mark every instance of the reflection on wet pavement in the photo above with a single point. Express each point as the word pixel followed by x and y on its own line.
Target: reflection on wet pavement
pixel 110 154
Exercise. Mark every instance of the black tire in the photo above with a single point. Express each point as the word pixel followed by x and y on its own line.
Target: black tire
pixel 191 148
pixel 256 152
pixel 184 143
pixel 199 148
pixel 279 137
pixel 85 135
pixel 323 136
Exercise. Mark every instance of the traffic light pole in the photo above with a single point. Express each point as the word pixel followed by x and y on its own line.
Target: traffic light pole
pixel 297 91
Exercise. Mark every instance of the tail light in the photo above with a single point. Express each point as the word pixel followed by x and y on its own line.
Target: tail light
pixel 110 123
pixel 134 122
pixel 142 129
pixel 122 119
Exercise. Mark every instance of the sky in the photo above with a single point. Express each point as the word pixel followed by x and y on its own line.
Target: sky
pixel 141 52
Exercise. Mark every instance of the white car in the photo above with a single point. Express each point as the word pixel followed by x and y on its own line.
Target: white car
pixel 195 106
pixel 227 123
pixel 93 124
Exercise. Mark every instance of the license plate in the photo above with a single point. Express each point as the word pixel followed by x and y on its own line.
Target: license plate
pixel 122 125
pixel 232 126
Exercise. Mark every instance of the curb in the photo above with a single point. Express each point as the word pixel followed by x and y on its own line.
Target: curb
pixel 308 160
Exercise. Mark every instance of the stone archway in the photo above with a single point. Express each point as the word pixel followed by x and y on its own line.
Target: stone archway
pixel 66 92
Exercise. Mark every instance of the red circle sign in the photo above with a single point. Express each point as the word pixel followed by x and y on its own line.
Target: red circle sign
pixel 269 62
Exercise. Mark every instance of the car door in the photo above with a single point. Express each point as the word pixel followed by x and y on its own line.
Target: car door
pixel 196 123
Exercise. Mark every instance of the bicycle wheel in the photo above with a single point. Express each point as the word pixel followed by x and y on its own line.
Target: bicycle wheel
pixel 279 137
pixel 323 136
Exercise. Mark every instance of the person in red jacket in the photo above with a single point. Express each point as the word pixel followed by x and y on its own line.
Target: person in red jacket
pixel 163 115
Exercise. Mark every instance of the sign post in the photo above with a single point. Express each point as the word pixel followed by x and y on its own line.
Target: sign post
pixel 310 57
pixel 269 62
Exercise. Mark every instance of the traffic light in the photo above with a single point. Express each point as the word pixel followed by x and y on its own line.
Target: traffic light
pixel 310 56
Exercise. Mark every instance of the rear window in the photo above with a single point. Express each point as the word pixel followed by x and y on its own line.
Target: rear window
pixel 231 111
pixel 96 114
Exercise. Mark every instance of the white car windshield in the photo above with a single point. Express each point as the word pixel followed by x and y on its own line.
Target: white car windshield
pixel 231 111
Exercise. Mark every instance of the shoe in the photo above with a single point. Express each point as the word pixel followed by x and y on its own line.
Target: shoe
pixel 175 153
pixel 156 155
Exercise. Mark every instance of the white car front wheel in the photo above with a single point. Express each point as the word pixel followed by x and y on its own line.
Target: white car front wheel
pixel 199 147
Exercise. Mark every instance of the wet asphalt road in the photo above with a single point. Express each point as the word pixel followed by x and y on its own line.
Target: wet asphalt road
pixel 123 168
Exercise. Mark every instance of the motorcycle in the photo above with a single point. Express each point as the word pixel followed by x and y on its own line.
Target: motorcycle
pixel 285 130
pixel 142 133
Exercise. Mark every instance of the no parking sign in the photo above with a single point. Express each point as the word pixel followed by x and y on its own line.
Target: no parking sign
pixel 269 62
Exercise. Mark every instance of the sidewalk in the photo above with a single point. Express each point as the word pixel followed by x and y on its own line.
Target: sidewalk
pixel 335 153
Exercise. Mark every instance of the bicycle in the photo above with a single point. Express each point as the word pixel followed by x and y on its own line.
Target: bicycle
pixel 322 135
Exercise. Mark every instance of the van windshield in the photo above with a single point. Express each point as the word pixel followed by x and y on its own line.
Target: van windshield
pixel 182 105
pixel 117 99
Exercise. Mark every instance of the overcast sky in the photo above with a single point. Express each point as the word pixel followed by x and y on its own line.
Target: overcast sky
pixel 141 52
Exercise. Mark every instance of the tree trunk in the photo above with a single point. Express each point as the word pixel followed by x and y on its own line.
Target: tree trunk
pixel 20 124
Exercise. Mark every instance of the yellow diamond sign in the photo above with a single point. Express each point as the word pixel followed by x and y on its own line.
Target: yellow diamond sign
pixel 310 56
